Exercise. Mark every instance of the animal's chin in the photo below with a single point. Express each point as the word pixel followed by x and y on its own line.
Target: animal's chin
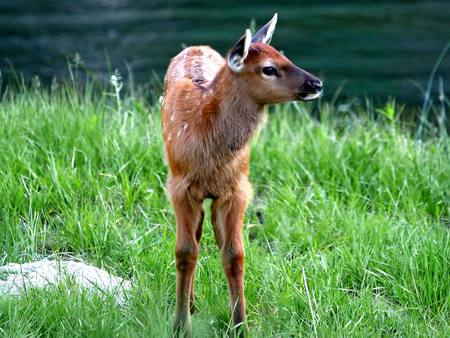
pixel 309 96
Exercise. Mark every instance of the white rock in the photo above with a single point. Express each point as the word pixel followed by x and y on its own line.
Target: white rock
pixel 15 279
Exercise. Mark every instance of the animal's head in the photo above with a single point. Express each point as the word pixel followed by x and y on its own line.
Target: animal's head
pixel 269 75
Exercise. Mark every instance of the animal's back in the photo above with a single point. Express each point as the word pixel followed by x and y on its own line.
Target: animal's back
pixel 198 64
pixel 189 75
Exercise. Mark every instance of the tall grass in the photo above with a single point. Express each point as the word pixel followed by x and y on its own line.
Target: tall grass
pixel 347 235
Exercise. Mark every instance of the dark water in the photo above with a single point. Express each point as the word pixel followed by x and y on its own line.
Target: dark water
pixel 377 48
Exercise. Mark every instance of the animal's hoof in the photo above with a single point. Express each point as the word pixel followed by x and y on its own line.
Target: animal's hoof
pixel 181 329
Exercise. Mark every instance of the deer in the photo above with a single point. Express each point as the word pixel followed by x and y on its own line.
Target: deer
pixel 211 108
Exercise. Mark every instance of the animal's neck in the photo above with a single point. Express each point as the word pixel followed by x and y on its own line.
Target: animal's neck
pixel 236 116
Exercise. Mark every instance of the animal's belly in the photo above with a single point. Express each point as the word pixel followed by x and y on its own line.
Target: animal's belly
pixel 214 184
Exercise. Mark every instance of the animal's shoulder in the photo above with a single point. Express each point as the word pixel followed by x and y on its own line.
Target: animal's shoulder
pixel 199 64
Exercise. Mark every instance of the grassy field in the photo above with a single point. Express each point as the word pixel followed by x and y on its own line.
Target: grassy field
pixel 347 235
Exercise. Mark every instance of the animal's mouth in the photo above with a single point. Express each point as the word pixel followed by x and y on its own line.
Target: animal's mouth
pixel 309 96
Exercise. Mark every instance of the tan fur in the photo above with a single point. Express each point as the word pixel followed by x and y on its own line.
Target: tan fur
pixel 209 114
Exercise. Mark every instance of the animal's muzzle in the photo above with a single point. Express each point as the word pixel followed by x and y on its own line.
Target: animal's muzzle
pixel 311 89
pixel 312 86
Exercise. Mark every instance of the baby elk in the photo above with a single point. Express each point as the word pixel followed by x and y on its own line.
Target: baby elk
pixel 211 108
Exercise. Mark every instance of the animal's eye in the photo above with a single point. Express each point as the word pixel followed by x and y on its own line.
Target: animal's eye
pixel 270 71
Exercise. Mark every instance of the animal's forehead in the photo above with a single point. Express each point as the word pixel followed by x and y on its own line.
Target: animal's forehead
pixel 259 51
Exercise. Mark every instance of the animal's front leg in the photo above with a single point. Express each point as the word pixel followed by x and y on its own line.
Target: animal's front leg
pixel 188 213
pixel 232 213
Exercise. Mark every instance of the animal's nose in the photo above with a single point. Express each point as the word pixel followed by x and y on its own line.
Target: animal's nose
pixel 314 84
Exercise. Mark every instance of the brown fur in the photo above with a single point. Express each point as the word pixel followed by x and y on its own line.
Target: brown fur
pixel 209 114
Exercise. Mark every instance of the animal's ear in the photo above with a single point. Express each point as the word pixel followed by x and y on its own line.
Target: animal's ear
pixel 264 35
pixel 239 52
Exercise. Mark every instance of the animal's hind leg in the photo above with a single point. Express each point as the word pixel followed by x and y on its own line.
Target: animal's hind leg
pixel 198 236
pixel 217 222
pixel 188 212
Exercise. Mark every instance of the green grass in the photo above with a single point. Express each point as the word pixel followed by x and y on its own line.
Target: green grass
pixel 348 231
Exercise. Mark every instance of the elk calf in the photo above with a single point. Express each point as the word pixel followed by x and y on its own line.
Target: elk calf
pixel 211 108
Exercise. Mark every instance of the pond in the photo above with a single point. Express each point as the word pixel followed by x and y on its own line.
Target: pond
pixel 371 48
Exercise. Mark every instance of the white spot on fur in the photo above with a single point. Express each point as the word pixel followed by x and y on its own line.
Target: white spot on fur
pixel 179 68
pixel 172 117
pixel 182 130
pixel 203 62
pixel 209 67
pixel 169 138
